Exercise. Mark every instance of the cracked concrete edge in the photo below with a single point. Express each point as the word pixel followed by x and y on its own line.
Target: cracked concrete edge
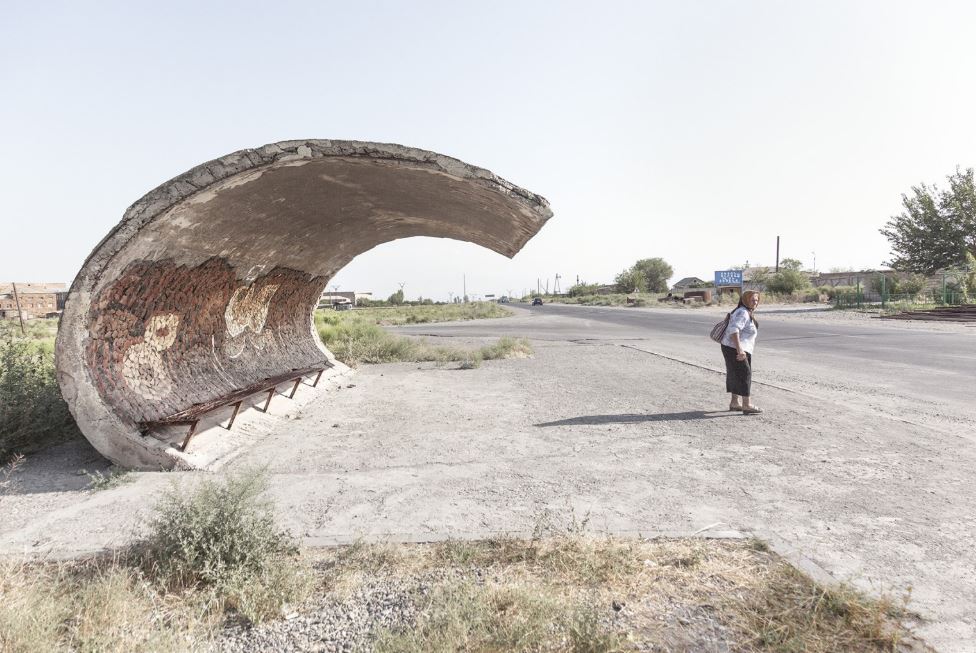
pixel 793 554
pixel 346 539
pixel 391 537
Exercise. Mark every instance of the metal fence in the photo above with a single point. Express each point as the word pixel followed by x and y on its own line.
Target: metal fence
pixel 884 300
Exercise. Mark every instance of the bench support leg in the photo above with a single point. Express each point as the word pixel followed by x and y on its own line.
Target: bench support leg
pixel 237 408
pixel 271 393
pixel 294 388
pixel 317 377
pixel 189 435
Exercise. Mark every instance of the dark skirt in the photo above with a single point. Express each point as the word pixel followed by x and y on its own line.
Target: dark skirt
pixel 738 374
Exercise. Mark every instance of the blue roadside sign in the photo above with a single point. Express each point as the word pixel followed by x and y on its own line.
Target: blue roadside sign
pixel 728 278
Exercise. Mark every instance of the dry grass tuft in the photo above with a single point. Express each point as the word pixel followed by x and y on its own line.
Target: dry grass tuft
pixel 95 605
pixel 572 592
pixel 790 612
pixel 465 616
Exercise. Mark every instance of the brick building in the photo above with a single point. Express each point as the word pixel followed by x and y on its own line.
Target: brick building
pixel 36 299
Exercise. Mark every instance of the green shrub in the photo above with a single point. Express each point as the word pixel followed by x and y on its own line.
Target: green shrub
pixel 581 289
pixel 222 536
pixel 787 282
pixel 912 284
pixel 355 336
pixel 32 413
pixel 833 291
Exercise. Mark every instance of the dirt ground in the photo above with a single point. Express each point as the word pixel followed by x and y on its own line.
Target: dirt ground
pixel 632 441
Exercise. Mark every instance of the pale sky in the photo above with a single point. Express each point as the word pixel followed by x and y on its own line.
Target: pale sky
pixel 693 131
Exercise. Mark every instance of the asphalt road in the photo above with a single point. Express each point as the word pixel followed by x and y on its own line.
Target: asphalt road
pixel 909 360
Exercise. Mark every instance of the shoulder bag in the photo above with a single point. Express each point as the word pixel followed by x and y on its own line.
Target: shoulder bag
pixel 718 331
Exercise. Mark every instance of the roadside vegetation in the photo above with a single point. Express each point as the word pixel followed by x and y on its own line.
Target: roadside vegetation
pixel 423 313
pixel 32 413
pixel 215 569
pixel 357 337
pixel 209 556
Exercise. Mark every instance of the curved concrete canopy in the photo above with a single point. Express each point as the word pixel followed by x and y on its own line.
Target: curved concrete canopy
pixel 208 283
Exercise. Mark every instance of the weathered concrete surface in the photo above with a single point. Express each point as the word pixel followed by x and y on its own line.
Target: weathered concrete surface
pixel 208 283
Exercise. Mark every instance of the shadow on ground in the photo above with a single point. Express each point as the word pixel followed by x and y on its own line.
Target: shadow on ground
pixel 61 468
pixel 631 418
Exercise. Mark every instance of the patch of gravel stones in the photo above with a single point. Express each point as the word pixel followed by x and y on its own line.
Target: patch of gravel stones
pixel 328 624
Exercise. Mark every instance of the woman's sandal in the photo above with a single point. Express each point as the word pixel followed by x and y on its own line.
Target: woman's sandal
pixel 735 407
pixel 751 410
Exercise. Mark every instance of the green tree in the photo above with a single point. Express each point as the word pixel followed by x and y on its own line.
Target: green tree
pixel 646 275
pixel 582 288
pixel 396 298
pixel 760 275
pixel 791 264
pixel 937 227
pixel 787 282
pixel 631 280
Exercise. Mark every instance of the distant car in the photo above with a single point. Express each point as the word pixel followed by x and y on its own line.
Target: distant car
pixel 503 300
pixel 537 301
pixel 342 306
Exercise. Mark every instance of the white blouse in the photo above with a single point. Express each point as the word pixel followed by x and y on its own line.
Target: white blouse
pixel 741 323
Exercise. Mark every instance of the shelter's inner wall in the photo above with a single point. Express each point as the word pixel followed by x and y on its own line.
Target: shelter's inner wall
pixel 317 215
pixel 165 336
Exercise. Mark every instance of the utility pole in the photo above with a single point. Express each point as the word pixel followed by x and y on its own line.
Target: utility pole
pixel 777 253
pixel 20 313
pixel 464 286
pixel 555 287
pixel 538 286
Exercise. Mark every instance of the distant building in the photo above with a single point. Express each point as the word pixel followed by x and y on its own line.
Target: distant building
pixel 688 283
pixel 849 278
pixel 36 300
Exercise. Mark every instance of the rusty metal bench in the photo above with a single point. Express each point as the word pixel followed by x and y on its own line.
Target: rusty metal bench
pixel 192 415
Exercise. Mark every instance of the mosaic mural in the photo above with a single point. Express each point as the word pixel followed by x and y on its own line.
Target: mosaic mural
pixel 166 336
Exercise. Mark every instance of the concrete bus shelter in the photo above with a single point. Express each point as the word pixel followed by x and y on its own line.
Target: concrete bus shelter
pixel 203 294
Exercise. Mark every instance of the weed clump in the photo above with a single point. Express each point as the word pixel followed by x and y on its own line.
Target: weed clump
pixel 223 537
pixel 211 554
pixel 32 413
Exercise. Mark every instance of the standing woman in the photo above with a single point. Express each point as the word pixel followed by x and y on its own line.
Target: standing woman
pixel 737 345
